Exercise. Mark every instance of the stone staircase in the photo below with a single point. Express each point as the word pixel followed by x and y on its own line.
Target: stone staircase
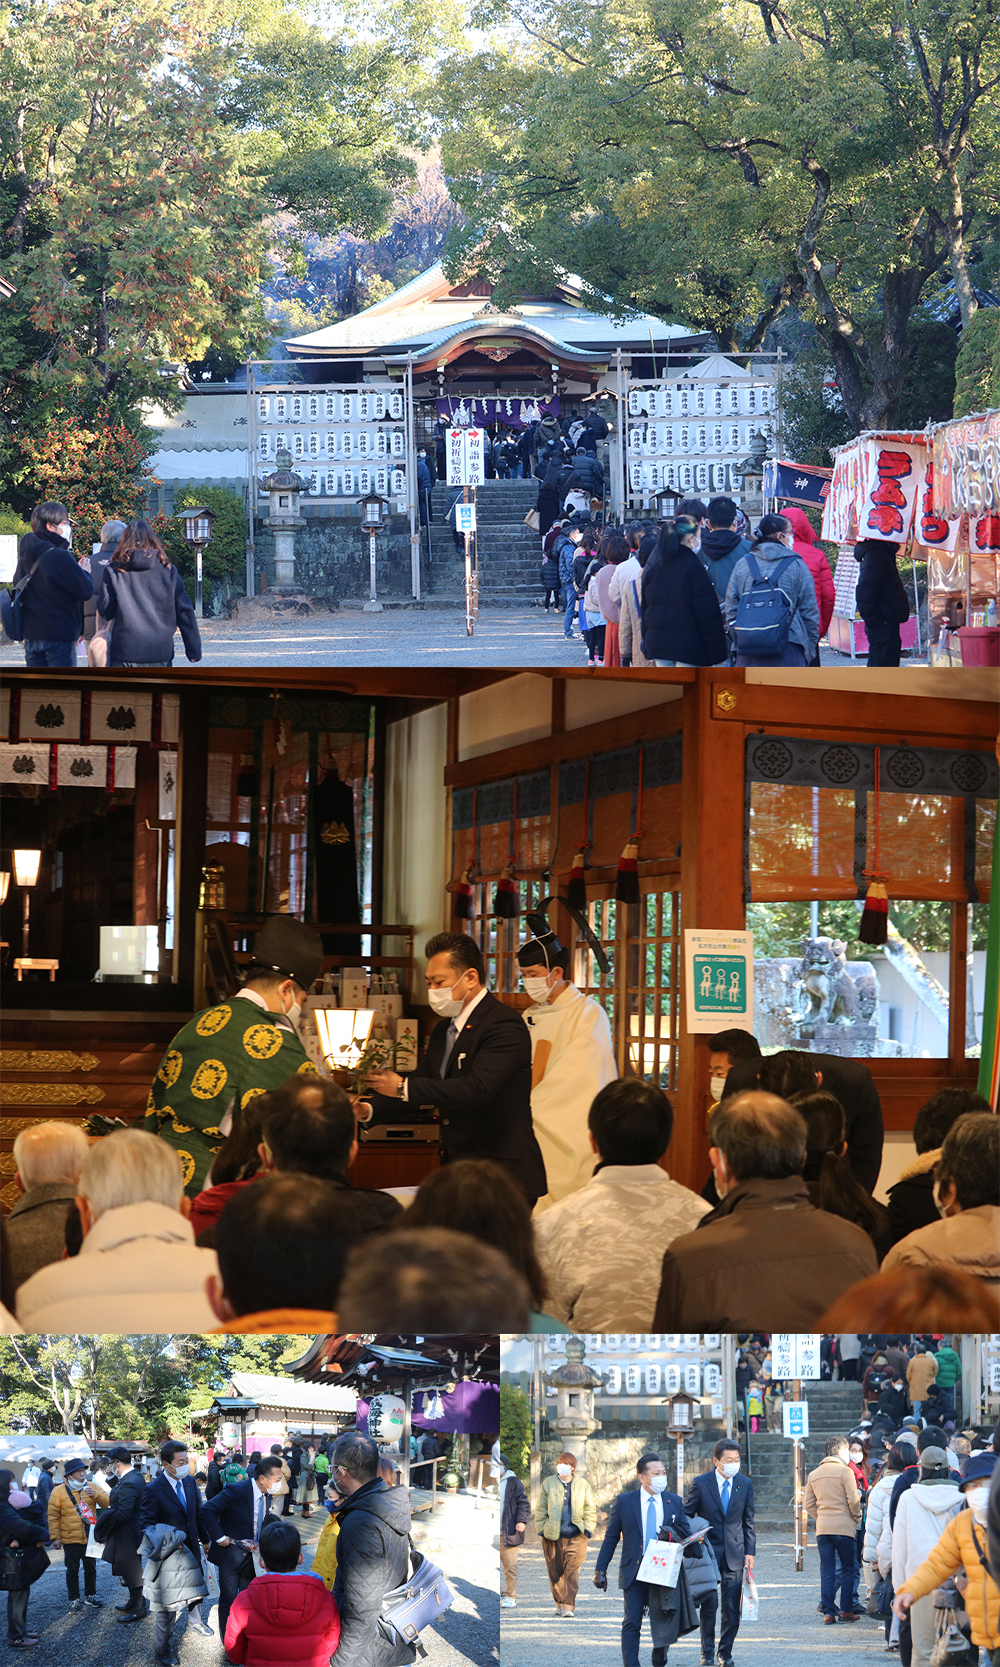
pixel 834 1408
pixel 509 552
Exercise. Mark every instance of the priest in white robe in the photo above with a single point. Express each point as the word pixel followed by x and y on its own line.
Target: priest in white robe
pixel 571 1061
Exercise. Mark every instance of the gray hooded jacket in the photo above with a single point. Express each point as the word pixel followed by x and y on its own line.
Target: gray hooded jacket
pixel 172 1576
pixel 373 1552
pixel 797 584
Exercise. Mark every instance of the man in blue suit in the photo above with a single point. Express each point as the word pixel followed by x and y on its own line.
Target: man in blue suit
pixel 234 1519
pixel 725 1499
pixel 636 1518
pixel 172 1497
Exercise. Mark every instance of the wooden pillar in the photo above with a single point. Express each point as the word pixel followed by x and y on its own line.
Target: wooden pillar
pixel 958 985
pixel 558 720
pixel 189 844
pixel 146 854
pixel 711 883
pixel 377 814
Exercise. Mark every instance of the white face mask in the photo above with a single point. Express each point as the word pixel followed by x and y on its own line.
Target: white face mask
pixel 718 1087
pixel 537 989
pixel 978 1498
pixel 294 1013
pixel 445 1003
pixel 658 1484
pixel 564 1472
pixel 731 1469
pixel 857 1455
pixel 942 1209
pixel 842 1457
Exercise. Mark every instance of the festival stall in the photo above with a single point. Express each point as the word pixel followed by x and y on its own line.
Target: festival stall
pixel 885 485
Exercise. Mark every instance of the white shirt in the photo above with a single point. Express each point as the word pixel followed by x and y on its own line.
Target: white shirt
pixel 721 1479
pixel 458 1021
pixel 650 1502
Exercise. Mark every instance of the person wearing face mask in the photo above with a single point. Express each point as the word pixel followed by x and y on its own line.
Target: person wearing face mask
pixel 967 1195
pixel 637 1517
pixel 571 1060
pixel 922 1516
pixel 476 1072
pixel 772 564
pixel 119 1532
pixel 681 617
pixel 234 1519
pixel 236 1049
pixel 962 1552
pixel 858 1461
pixel 72 1513
pixel 565 1518
pixel 172 1501
pixel 831 1496
pixel 725 1499
pixel 55 588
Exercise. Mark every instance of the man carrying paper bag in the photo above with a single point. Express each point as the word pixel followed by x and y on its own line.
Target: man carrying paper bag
pixel 639 1518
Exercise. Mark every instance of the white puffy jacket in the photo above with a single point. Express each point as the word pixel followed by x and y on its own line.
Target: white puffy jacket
pixel 921 1516
pixel 139 1270
pixel 878 1512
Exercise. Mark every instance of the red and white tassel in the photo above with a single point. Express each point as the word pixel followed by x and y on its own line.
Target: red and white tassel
pixel 627 879
pixel 506 902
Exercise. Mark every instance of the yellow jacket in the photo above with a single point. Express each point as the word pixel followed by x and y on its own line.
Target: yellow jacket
pixel 324 1561
pixel 548 1513
pixel 64 1521
pixel 956 1551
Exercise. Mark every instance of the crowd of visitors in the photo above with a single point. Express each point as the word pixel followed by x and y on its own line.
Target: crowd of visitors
pixel 182 1537
pixel 121 606
pixel 232 1208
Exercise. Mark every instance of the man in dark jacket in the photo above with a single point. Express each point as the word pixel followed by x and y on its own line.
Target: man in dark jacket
pixel 52 601
pixel 515 1509
pixel 595 430
pixel 234 1519
pixel 111 537
pixel 793 1071
pixel 45 1486
pixel 476 1072
pixel 118 1529
pixel 588 475
pixel 372 1553
pixel 425 483
pixel 173 1498
pixel 309 1128
pixel 881 598
pixel 725 1499
pixel 721 544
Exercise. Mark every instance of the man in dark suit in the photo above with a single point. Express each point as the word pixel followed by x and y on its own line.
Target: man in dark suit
pixel 725 1499
pixel 173 1498
pixel 793 1071
pixel 636 1518
pixel 119 1531
pixel 476 1072
pixel 234 1519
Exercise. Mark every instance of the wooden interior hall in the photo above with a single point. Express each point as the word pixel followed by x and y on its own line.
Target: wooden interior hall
pixel 481 766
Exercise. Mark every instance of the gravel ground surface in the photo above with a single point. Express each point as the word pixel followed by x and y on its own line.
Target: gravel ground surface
pixel 398 637
pixel 466 1635
pixel 789 1629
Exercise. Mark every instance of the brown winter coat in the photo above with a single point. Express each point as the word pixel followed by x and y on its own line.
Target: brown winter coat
pixel 764 1260
pixel 969 1240
pixel 920 1374
pixel 36 1228
pixel 64 1520
pixel 955 1550
pixel 831 1497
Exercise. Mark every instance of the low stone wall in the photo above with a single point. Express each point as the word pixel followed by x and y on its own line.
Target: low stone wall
pixel 612 1455
pixel 331 558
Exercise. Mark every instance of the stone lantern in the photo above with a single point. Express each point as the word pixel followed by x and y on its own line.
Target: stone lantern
pixel 574 1385
pixel 285 488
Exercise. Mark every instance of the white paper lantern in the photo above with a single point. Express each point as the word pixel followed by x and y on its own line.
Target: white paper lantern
pixel 346 407
pixel 386 1417
pixel 613 1380
pixel 690 1339
pixel 653 1379
pixel 672 1340
pixel 365 403
pixel 347 443
pixel 364 482
pixel 382 482
pixel 634 402
pixel 633 1340
pixel 379 406
pixel 396 404
pixel 347 483
pixel 653 1340
pixel 713 1340
pixel 633 1378
pixel 692 1378
pixel 398 481
pixel 713 1378
pixel 671 1379
pixel 365 447
pixel 398 442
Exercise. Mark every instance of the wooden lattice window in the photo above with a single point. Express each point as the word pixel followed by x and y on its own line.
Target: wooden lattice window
pixel 641 993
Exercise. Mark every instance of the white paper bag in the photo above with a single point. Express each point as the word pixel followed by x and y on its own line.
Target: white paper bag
pixel 751 1604
pixel 94 1547
pixel 211 1578
pixel 661 1562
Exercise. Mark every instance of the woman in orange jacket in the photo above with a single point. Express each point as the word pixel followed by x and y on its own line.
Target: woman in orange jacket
pixel 962 1551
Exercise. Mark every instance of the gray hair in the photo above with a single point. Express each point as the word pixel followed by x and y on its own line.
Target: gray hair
pixel 131 1167
pixel 50 1152
pixel 761 1136
pixel 111 533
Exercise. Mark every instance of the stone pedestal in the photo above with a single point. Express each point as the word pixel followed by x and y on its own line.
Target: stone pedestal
pixel 851 1041
pixel 284 550
pixel 574 1384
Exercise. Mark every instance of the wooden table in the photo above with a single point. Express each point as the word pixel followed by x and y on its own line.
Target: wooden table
pixel 31 963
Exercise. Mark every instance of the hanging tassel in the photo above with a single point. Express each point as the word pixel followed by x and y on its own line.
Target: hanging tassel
pixel 576 888
pixel 874 926
pixel 627 878
pixel 506 902
pixel 461 890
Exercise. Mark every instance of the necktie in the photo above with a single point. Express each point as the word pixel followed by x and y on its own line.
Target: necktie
pixel 261 1506
pixel 180 1494
pixel 450 1041
pixel 725 1496
pixel 650 1521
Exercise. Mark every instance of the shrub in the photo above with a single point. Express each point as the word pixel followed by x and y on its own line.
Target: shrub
pixel 516 1429
pixel 225 556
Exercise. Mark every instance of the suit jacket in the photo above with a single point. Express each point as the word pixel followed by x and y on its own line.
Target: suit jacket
pixel 233 1514
pixel 161 1504
pixel 484 1099
pixel 124 1510
pixel 851 1081
pixel 625 1524
pixel 733 1536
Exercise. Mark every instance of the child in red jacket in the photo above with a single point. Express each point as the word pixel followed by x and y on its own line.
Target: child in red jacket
pixel 283 1619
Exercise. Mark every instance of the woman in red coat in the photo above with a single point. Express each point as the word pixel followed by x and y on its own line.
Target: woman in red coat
pixel 815 559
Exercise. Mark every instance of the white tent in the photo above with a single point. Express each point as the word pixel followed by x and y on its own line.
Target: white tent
pixel 17 1451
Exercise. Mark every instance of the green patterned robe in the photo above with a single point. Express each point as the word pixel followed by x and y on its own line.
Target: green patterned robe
pixel 217 1063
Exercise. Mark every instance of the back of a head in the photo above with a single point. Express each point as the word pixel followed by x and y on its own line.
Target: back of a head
pixel 647 544
pixel 737 1044
pixel 130 1167
pixel 280 1546
pixel 477 1197
pixel 308 1125
pixel 770 528
pixel 901 1455
pixel 823 1116
pixel 834 1445
pixel 693 508
pixel 111 534
pixel 721 513
pixel 431 1279
pixel 934 1296
pixel 669 545
pixel 970 1160
pixel 761 1136
pixel 358 1454
pixel 631 1121
pixel 789 1072
pixel 282 1243
pixel 938 1114
pixel 616 549
pixel 49 1153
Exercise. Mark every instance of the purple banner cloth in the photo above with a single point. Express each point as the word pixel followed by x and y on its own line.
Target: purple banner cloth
pixel 511 413
pixel 467 1409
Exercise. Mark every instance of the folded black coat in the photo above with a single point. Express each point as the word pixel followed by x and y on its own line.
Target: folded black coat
pixel 672 1612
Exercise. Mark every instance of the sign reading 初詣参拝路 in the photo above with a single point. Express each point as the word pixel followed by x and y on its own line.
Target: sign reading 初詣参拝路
pixel 718 968
pixel 795 1354
pixel 466 456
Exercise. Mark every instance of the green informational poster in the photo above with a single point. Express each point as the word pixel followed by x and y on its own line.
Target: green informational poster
pixel 718 968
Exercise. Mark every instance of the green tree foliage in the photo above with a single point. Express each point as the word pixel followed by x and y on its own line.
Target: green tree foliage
pixel 977 371
pixel 98 472
pixel 718 166
pixel 224 556
pixel 516 1428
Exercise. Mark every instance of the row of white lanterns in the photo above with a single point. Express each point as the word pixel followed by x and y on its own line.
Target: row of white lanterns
pixel 354 483
pixel 684 477
pixel 680 400
pixel 364 405
pixel 347 442
pixel 651 1378
pixel 651 439
pixel 645 1340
